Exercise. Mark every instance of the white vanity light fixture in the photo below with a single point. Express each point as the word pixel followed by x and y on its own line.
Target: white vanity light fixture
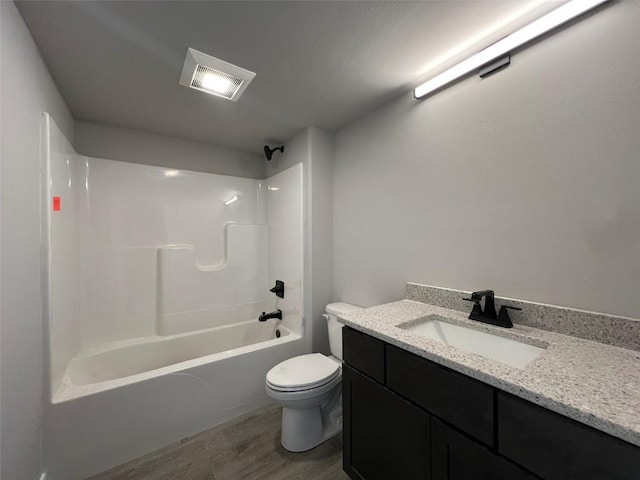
pixel 214 76
pixel 548 22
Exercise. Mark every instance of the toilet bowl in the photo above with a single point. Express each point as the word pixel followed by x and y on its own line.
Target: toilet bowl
pixel 309 388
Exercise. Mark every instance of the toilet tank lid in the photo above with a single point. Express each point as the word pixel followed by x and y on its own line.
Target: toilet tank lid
pixel 339 308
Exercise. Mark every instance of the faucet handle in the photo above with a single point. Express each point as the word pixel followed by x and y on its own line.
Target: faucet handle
pixel 278 289
pixel 477 308
pixel 504 307
pixel 503 315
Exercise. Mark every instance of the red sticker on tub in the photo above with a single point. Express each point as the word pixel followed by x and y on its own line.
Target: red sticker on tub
pixel 56 204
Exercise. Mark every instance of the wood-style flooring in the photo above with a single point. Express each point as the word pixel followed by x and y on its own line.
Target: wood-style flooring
pixel 246 448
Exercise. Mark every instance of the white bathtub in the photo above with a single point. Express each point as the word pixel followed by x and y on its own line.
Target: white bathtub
pixel 121 402
pixel 135 360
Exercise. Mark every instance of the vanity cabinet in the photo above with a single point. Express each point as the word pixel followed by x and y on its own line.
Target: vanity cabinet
pixel 406 418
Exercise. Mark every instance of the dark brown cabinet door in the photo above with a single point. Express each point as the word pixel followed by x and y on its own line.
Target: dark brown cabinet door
pixel 557 448
pixel 385 437
pixel 457 457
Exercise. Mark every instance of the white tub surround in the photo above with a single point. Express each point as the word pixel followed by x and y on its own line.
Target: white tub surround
pixel 156 278
pixel 139 251
pixel 192 296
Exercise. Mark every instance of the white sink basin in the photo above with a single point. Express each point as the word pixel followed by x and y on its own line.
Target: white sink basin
pixel 511 352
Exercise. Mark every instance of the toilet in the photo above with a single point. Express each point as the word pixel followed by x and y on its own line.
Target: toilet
pixel 309 389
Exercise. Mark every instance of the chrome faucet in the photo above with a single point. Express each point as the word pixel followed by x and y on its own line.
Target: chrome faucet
pixel 488 315
pixel 266 316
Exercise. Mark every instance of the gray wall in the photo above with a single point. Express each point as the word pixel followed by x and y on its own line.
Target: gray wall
pixel 26 90
pixel 314 147
pixel 105 141
pixel 525 182
pixel 321 225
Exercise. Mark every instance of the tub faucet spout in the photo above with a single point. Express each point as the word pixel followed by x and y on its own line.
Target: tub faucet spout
pixel 266 316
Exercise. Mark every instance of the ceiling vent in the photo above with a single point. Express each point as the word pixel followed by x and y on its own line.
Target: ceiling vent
pixel 214 76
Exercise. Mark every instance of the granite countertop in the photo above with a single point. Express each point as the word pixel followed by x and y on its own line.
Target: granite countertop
pixel 593 383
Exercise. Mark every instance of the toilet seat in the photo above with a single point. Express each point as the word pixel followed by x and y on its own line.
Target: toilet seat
pixel 300 397
pixel 304 372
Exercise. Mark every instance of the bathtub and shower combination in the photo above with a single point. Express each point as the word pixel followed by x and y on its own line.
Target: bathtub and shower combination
pixel 156 278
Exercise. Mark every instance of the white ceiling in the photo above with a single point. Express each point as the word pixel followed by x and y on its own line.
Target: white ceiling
pixel 318 63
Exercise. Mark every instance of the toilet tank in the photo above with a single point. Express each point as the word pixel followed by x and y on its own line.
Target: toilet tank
pixel 335 329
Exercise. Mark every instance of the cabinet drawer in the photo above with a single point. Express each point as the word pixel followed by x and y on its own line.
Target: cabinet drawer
pixel 556 447
pixel 363 352
pixel 455 398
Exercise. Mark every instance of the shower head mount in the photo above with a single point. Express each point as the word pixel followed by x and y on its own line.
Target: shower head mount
pixel 268 152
